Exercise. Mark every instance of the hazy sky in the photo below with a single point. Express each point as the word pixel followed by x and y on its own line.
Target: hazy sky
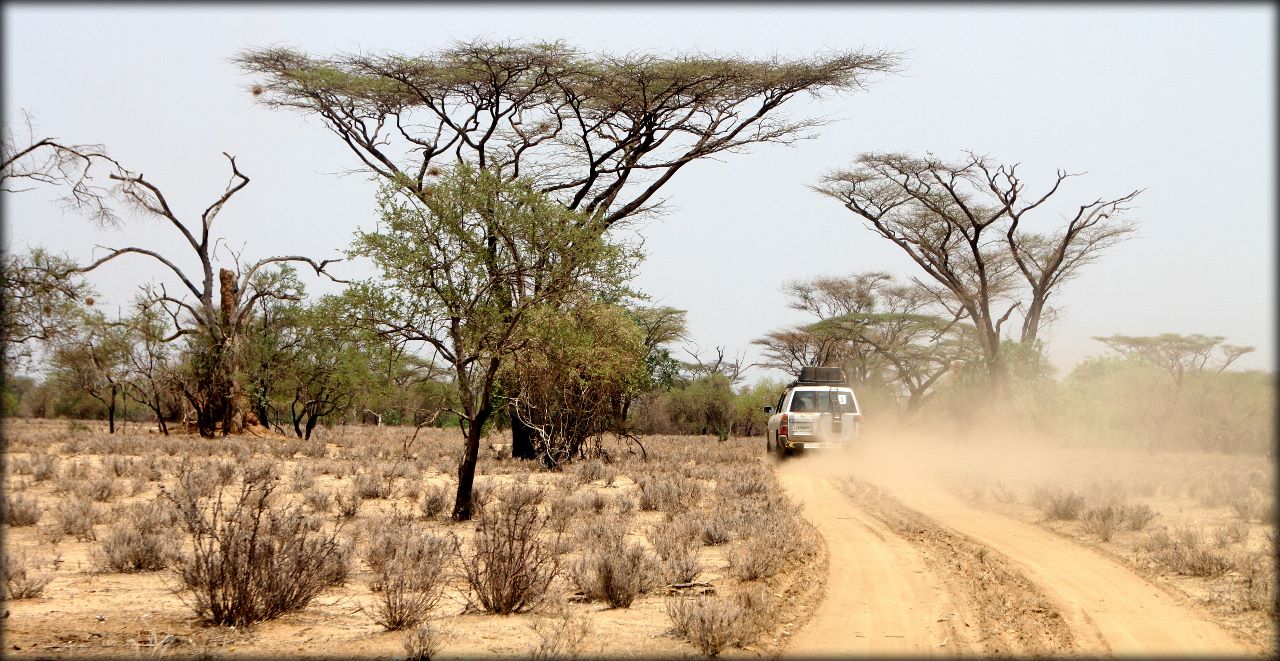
pixel 1178 100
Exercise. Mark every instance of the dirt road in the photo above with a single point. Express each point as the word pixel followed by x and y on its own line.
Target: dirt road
pixel 882 599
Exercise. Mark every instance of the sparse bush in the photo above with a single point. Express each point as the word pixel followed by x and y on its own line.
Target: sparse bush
pixel 22 578
pixel 626 504
pixel 410 576
pixel 670 493
pixel 1063 506
pixel 20 510
pixel 373 487
pixel 615 573
pixel 102 489
pixel 1257 582
pixel 1137 516
pixel 252 561
pixel 1183 551
pixel 509 566
pixel 424 642
pixel 1102 521
pixel 435 501
pixel 716 530
pixel 560 636
pixel 317 499
pixel 129 547
pixel 1235 532
pixel 303 478
pixel 561 513
pixel 709 622
pixel 590 471
pixel 75 518
pixel 348 502
pixel 675 542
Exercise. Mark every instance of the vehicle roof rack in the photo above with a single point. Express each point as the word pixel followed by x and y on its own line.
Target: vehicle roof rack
pixel 812 375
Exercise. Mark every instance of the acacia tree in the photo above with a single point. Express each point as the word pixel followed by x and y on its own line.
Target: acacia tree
pixel 92 357
pixel 332 363
pixel 214 320
pixel 149 363
pixel 880 330
pixel 965 223
pixel 581 362
pixel 40 298
pixel 599 133
pixel 1178 354
pixel 461 268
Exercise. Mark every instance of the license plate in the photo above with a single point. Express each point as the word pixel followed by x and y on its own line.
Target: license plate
pixel 805 427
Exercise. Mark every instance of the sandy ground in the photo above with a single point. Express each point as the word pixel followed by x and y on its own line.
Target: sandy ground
pixel 886 597
pixel 880 597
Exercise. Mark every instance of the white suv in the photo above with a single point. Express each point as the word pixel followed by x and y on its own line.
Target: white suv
pixel 819 410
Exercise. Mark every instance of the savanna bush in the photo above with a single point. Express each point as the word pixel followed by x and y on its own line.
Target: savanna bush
pixel 22 577
pixel 21 510
pixel 711 623
pixel 508 565
pixel 252 559
pixel 410 573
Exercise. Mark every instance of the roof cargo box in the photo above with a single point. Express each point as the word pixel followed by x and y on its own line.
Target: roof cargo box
pixel 814 374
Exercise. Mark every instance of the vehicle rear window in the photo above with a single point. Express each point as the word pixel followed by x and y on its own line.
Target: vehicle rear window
pixel 823 401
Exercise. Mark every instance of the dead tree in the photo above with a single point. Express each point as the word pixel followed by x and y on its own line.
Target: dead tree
pixel 215 313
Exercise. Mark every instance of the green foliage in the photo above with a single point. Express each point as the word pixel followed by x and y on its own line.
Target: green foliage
pixel 576 366
pixel 41 299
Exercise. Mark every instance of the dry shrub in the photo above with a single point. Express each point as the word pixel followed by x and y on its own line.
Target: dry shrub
pixel 1234 532
pixel 1063 505
pixel 745 482
pixel 252 560
pixel 711 623
pixel 560 635
pixel 590 471
pixel 143 541
pixel 302 479
pixel 1136 517
pixel 102 489
pixel 349 502
pixel 614 572
pixel 435 501
pixel 118 466
pixel 21 511
pixel 1184 552
pixel 509 565
pixel 769 533
pixel 319 500
pixel 717 529
pixel 373 487
pixel 73 517
pixel 675 542
pixel 562 511
pixel 672 493
pixel 410 575
pixel 424 642
pixel 1257 586
pixel 1102 521
pixel 22 578
pixel 41 467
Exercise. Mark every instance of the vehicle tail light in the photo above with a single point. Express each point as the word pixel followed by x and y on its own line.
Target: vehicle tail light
pixel 782 425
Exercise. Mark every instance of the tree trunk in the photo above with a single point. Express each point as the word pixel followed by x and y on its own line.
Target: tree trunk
pixel 467 471
pixel 521 438
pixel 311 425
pixel 111 411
